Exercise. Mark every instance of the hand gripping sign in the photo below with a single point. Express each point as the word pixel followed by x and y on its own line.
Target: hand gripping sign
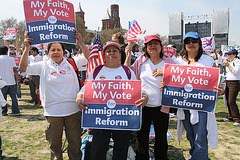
pixel 50 21
pixel 190 87
pixel 112 104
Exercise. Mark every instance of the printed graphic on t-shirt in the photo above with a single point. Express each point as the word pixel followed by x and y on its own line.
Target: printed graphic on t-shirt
pixel 63 72
pixel 54 73
pixel 118 77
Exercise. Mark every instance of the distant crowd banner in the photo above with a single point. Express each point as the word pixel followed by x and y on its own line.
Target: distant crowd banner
pixel 226 48
pixel 17 60
pixel 170 51
pixel 10 34
pixel 112 104
pixel 190 87
pixel 50 21
pixel 208 44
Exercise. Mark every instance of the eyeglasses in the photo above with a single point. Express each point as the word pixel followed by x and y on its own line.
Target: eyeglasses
pixel 189 41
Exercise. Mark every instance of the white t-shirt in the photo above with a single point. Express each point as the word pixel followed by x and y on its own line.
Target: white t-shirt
pixel 110 74
pixel 219 60
pixel 32 59
pixel 137 54
pixel 151 84
pixel 46 58
pixel 58 87
pixel 204 61
pixel 81 62
pixel 235 73
pixel 6 69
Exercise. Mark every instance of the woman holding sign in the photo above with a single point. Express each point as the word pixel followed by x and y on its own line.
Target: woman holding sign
pixel 198 124
pixel 149 69
pixel 58 91
pixel 112 70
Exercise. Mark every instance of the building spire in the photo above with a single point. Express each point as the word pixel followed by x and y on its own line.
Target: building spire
pixel 80 8
pixel 107 15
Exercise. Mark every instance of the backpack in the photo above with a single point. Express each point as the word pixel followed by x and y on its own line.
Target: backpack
pixel 98 68
pixel 72 62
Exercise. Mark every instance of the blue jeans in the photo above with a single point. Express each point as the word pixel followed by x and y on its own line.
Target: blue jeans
pixel 12 92
pixel 197 136
pixel 19 94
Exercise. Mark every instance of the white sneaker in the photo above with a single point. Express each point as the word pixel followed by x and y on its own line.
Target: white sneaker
pixel 236 124
pixel 19 99
pixel 226 120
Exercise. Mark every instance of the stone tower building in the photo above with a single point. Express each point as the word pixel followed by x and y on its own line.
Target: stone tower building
pixel 113 20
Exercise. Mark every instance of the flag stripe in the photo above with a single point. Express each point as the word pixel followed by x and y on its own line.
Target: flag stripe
pixel 96 55
pixel 134 30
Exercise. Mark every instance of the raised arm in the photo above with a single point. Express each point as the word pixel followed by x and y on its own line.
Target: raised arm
pixel 128 56
pixel 17 44
pixel 84 48
pixel 24 60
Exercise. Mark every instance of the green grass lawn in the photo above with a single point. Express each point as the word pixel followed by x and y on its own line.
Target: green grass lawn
pixel 24 136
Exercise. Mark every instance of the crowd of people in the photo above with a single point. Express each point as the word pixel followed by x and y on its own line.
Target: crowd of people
pixel 62 97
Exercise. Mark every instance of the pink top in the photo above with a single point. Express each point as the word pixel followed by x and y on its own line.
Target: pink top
pixel 137 70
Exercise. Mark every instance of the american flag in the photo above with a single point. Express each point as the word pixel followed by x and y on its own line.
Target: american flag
pixel 133 31
pixel 96 55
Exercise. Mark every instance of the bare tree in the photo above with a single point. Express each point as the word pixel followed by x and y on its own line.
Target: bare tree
pixel 12 22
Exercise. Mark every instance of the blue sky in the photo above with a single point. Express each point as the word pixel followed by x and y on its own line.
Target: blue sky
pixel 152 15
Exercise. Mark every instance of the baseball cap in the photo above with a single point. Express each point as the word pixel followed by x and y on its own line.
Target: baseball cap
pixel 191 35
pixel 111 43
pixel 152 37
pixel 233 51
pixel 11 45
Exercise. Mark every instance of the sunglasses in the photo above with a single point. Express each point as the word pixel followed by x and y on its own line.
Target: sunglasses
pixel 189 41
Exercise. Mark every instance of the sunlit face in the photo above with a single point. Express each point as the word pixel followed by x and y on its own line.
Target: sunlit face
pixel 231 56
pixel 192 45
pixel 112 55
pixel 12 54
pixel 137 49
pixel 56 52
pixel 12 48
pixel 34 53
pixel 154 47
pixel 115 39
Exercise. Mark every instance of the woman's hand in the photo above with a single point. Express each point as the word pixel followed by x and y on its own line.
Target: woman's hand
pixel 80 103
pixel 162 84
pixel 78 36
pixel 220 90
pixel 225 62
pixel 158 72
pixel 128 51
pixel 143 101
pixel 27 40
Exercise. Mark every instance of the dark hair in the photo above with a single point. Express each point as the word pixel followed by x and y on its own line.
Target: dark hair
pixel 133 48
pixel 3 50
pixel 120 38
pixel 50 44
pixel 184 52
pixel 161 52
pixel 35 49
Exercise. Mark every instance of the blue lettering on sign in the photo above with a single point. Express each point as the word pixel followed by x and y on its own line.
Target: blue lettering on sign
pixel 120 117
pixel 197 99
